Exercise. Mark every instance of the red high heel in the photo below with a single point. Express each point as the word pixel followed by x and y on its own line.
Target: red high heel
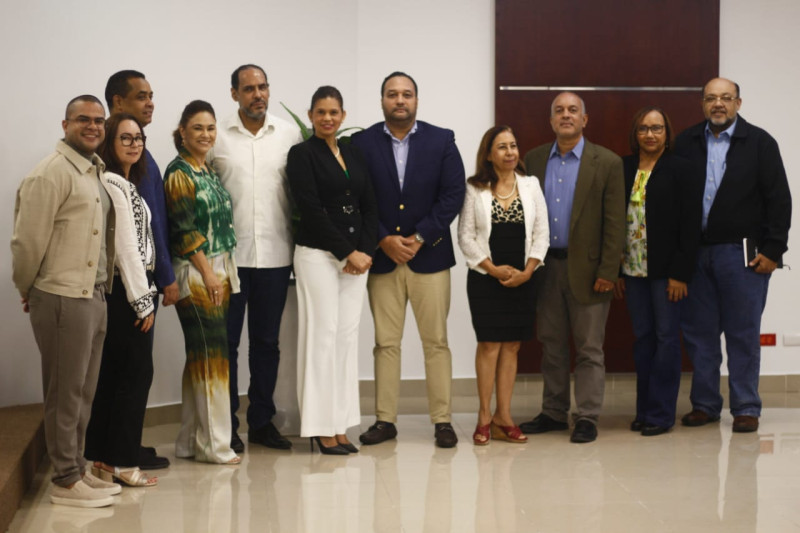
pixel 482 435
pixel 508 433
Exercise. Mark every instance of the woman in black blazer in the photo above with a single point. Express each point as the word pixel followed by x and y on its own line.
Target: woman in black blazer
pixel 664 198
pixel 335 242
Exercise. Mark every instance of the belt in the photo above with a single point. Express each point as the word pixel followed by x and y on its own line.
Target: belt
pixel 557 253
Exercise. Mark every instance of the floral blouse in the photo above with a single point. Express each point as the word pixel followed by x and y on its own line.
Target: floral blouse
pixel 634 257
pixel 199 208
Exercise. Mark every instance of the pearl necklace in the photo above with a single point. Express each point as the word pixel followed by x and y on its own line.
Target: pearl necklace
pixel 509 195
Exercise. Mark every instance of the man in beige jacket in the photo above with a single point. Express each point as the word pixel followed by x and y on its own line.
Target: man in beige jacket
pixel 63 260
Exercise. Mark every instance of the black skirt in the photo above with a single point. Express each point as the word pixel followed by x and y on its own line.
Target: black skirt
pixel 502 314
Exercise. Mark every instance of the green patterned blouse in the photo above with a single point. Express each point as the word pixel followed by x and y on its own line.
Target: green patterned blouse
pixel 199 208
pixel 634 258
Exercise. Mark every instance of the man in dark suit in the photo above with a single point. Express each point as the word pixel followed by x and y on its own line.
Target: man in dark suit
pixel 419 183
pixel 746 196
pixel 585 192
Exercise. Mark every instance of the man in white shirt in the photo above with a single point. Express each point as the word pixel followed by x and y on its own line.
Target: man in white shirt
pixel 250 158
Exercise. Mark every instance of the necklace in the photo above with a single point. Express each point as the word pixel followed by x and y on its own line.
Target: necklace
pixel 509 195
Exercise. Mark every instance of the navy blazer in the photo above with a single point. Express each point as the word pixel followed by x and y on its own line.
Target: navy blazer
pixel 337 212
pixel 432 195
pixel 673 214
pixel 753 199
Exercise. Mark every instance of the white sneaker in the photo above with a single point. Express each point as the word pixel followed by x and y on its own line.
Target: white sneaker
pixel 80 495
pixel 103 486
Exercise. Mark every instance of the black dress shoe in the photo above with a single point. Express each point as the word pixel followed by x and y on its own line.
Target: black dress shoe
pixel 637 426
pixel 650 430
pixel 542 424
pixel 378 432
pixel 148 460
pixel 236 444
pixel 329 450
pixel 445 435
pixel 269 436
pixel 584 431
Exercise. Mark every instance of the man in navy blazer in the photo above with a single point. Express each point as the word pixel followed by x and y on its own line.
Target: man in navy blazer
pixel 419 183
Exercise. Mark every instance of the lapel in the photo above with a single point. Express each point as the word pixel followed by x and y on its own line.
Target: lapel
pixel 526 198
pixel 384 142
pixel 586 175
pixel 485 198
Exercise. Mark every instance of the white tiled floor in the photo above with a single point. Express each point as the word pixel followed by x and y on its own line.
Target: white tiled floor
pixel 691 479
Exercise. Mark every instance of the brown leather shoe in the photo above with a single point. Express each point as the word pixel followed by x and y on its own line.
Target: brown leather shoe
pixel 698 418
pixel 745 424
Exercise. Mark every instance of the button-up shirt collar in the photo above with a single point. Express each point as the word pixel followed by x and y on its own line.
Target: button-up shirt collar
pixel 717 150
pixel 400 149
pixel 561 175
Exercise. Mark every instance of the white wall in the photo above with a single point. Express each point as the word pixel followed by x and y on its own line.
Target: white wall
pixel 54 50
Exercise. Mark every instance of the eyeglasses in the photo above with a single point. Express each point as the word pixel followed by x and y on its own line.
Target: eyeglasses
pixel 657 129
pixel 84 121
pixel 725 98
pixel 129 140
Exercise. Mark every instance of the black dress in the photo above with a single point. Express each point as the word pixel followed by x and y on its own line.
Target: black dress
pixel 503 314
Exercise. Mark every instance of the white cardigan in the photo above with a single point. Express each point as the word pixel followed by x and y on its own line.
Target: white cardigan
pixel 133 243
pixel 475 223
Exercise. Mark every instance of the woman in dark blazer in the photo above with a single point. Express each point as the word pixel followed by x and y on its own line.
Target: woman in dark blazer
pixel 663 233
pixel 335 242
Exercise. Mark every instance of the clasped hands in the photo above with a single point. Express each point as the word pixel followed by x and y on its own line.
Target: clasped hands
pixel 357 263
pixel 509 276
pixel 400 249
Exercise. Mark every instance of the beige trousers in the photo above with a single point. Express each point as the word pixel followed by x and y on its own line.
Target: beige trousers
pixel 429 294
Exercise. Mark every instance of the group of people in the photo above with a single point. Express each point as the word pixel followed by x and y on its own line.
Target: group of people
pixel 550 241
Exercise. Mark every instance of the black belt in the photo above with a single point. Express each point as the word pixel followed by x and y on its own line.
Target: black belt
pixel 557 253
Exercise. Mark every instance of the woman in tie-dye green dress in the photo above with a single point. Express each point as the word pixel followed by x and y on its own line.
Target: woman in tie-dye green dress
pixel 202 241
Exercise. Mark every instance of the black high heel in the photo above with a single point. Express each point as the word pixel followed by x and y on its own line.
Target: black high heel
pixel 331 450
pixel 349 447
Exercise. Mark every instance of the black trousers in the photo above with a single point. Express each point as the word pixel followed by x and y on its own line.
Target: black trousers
pixel 126 373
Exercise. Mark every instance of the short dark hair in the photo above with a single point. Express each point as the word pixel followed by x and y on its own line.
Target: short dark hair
pixel 82 98
pixel 192 108
pixel 485 176
pixel 235 75
pixel 118 85
pixel 109 155
pixel 633 139
pixel 326 91
pixel 398 74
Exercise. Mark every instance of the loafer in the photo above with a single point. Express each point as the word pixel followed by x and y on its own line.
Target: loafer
pixel 651 430
pixel 637 426
pixel 584 431
pixel 148 460
pixel 698 418
pixel 378 432
pixel 542 424
pixel 80 495
pixel 445 435
pixel 745 424
pixel 236 444
pixel 270 437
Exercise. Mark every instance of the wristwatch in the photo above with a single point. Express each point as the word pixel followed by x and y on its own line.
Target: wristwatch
pixel 418 238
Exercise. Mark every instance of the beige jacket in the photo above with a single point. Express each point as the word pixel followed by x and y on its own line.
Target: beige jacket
pixel 58 222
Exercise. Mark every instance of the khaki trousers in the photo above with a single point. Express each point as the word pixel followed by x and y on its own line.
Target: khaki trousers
pixel 70 334
pixel 429 294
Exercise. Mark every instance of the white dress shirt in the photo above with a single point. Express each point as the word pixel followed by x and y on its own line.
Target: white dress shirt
pixel 253 170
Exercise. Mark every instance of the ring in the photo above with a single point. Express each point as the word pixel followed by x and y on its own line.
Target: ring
pixel 216 292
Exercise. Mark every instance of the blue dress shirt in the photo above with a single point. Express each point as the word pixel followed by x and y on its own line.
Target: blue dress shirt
pixel 717 150
pixel 561 176
pixel 400 149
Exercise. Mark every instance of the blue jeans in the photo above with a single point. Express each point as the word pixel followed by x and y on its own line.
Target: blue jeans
pixel 724 297
pixel 656 350
pixel 263 293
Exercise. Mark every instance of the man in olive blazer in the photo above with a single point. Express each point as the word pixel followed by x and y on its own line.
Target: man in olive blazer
pixel 585 193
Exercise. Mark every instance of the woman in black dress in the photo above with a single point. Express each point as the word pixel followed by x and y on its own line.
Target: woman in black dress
pixel 504 235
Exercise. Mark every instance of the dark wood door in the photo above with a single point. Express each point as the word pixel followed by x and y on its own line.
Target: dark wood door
pixel 619 56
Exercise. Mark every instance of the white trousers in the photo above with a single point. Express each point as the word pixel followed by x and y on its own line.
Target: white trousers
pixel 329 304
